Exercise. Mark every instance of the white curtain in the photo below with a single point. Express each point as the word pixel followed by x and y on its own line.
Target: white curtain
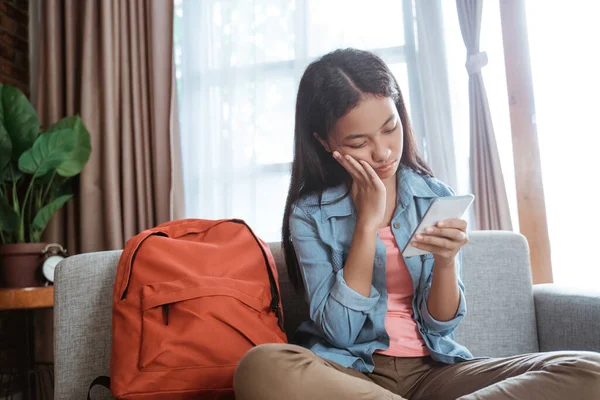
pixel 494 75
pixel 238 67
pixel 434 89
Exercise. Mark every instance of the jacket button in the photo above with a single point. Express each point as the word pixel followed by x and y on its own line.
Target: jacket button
pixel 396 225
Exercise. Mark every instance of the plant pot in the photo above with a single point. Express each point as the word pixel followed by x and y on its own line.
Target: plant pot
pixel 19 264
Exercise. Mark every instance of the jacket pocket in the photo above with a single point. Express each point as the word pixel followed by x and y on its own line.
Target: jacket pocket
pixel 198 322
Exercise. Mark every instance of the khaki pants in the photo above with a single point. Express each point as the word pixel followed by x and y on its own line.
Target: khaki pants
pixel 288 372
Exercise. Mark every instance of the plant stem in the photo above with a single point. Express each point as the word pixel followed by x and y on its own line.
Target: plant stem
pixel 34 206
pixel 29 208
pixel 21 231
pixel 48 188
pixel 15 198
pixel 38 199
pixel 14 191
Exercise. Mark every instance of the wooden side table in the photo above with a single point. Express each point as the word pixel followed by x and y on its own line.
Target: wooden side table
pixel 28 300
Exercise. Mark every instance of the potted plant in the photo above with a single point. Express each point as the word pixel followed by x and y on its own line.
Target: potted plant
pixel 36 173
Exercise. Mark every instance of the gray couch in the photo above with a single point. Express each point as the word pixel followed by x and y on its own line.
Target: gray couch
pixel 506 315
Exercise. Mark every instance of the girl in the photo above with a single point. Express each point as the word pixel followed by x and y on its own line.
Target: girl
pixel 381 326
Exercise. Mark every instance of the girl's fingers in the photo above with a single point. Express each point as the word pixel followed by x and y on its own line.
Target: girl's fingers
pixel 456 223
pixel 346 164
pixel 450 233
pixel 358 167
pixel 436 241
pixel 370 172
pixel 435 250
pixel 361 171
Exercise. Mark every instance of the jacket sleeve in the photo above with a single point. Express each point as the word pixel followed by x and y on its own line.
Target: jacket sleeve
pixel 336 309
pixel 444 328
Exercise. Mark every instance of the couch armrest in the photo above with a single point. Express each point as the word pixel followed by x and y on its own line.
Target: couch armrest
pixel 83 286
pixel 567 318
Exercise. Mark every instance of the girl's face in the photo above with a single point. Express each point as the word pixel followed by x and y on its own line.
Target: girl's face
pixel 372 132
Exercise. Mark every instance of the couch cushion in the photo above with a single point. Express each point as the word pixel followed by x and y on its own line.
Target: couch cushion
pixel 500 317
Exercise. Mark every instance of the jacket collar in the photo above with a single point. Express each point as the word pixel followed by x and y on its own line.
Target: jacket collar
pixel 410 184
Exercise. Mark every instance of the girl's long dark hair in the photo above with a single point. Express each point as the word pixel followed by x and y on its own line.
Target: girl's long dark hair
pixel 330 87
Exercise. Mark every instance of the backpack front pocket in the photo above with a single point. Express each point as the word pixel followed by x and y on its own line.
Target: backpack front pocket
pixel 198 322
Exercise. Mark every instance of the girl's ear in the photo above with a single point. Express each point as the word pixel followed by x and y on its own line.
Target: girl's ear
pixel 323 142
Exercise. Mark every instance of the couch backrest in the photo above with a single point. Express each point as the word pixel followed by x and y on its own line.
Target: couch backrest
pixel 500 311
pixel 500 319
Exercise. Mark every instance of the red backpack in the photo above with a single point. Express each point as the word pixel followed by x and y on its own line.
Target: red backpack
pixel 191 297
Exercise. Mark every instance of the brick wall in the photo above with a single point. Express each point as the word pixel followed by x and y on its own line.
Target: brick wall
pixel 14 43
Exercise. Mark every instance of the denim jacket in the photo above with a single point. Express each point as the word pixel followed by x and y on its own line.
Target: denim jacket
pixel 345 326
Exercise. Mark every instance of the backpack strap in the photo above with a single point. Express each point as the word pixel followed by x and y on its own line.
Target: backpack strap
pixel 127 257
pixel 99 381
pixel 275 297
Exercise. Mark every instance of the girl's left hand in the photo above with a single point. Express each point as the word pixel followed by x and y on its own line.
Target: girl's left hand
pixel 443 240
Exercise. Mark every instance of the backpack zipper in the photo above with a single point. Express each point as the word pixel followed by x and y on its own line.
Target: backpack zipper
pixel 165 308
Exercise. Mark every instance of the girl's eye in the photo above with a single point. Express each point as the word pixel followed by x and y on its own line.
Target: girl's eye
pixel 360 146
pixel 391 130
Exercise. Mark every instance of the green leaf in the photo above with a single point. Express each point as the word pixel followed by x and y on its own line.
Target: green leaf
pixel 9 220
pixel 5 148
pixel 48 152
pixel 19 118
pixel 43 216
pixel 83 147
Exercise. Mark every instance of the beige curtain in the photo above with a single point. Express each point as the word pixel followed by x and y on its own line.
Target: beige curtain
pixel 111 62
pixel 491 202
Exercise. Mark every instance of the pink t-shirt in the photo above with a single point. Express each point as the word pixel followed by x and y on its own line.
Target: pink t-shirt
pixel 405 339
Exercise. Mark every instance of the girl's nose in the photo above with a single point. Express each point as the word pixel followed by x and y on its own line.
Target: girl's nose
pixel 381 154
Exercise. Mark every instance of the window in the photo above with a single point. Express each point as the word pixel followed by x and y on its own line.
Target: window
pixel 566 83
pixel 238 65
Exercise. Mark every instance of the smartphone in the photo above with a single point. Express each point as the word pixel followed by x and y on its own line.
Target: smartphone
pixel 440 209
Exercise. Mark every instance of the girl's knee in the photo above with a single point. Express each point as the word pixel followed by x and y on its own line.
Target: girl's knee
pixel 590 361
pixel 593 359
pixel 257 358
pixel 260 366
pixel 586 360
pixel 582 366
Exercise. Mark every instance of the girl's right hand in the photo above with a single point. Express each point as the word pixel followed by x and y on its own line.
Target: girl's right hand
pixel 368 191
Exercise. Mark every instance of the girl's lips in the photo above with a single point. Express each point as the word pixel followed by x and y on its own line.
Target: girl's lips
pixel 386 168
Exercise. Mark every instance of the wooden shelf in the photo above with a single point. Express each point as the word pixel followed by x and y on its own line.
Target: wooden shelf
pixel 27 298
